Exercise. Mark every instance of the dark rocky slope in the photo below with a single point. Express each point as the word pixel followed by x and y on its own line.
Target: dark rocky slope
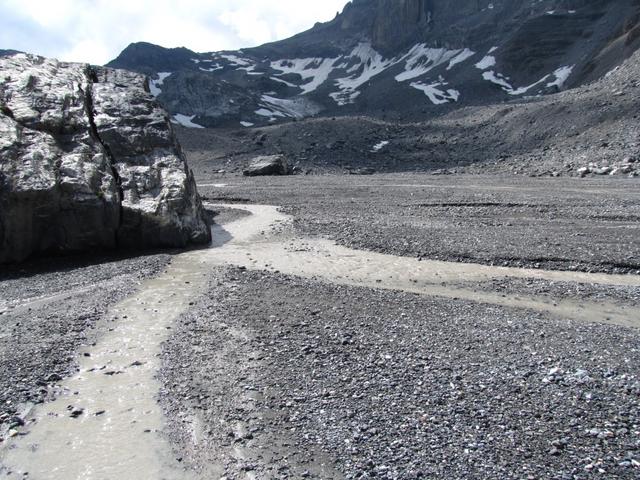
pixel 7 53
pixel 88 160
pixel 410 59
pixel 588 130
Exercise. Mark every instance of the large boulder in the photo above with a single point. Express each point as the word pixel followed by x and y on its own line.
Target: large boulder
pixel 267 165
pixel 89 160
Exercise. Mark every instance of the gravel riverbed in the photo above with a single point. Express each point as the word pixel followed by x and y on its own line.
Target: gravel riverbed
pixel 561 224
pixel 274 376
pixel 365 383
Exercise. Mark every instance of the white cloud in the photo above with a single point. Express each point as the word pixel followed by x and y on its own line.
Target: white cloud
pixel 247 25
pixel 97 30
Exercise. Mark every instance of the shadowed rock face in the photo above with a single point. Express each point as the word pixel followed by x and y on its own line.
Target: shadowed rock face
pixel 393 24
pixel 88 160
pixel 398 22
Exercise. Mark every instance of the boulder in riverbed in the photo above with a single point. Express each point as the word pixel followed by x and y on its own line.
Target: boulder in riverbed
pixel 268 165
pixel 89 160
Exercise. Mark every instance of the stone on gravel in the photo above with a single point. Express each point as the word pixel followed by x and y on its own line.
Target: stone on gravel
pixel 54 377
pixel 267 165
pixel 362 171
pixel 89 160
pixel 75 412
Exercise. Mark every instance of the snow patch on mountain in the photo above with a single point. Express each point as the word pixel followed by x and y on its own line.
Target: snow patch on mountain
pixel 154 85
pixel 272 114
pixel 185 121
pixel 361 65
pixel 498 79
pixel 562 75
pixel 461 57
pixel 365 63
pixel 313 71
pixel 421 60
pixel 350 72
pixel 523 90
pixel 487 62
pixel 436 94
pixel 297 107
pixel 379 146
pixel 213 68
pixel 235 60
pixel 288 84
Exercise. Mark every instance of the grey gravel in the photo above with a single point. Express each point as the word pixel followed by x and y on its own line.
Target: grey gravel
pixel 551 223
pixel 618 294
pixel 397 386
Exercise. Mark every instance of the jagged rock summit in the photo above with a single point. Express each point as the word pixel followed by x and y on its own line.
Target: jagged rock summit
pixel 88 159
pixel 399 59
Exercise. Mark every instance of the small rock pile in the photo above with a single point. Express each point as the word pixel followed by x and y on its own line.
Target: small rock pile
pixel 629 166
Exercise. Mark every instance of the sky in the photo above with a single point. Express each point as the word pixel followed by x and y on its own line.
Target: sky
pixel 96 31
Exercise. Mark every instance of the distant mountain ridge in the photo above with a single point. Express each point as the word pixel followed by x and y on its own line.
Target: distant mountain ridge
pixel 396 58
pixel 6 53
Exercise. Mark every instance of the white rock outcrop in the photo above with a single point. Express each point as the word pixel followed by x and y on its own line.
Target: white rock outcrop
pixel 89 160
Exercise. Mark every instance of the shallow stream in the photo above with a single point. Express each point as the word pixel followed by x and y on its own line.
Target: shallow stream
pixel 106 422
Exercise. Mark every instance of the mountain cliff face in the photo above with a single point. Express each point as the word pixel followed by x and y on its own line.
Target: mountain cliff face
pixel 398 59
pixel 397 23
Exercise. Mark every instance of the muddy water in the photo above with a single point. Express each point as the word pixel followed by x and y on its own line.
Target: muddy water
pixel 117 429
pixel 323 259
pixel 117 435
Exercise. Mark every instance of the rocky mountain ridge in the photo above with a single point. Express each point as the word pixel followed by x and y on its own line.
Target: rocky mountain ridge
pixel 89 161
pixel 396 59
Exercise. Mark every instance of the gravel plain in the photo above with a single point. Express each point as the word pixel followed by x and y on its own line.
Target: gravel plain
pixel 550 223
pixel 303 379
pixel 274 376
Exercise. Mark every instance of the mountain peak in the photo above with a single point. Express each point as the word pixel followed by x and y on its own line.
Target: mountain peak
pixel 409 58
pixel 148 58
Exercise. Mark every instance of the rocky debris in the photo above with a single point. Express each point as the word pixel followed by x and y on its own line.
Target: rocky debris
pixel 267 166
pixel 75 412
pixel 391 385
pixel 628 166
pixel 89 160
pixel 582 126
pixel 361 171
